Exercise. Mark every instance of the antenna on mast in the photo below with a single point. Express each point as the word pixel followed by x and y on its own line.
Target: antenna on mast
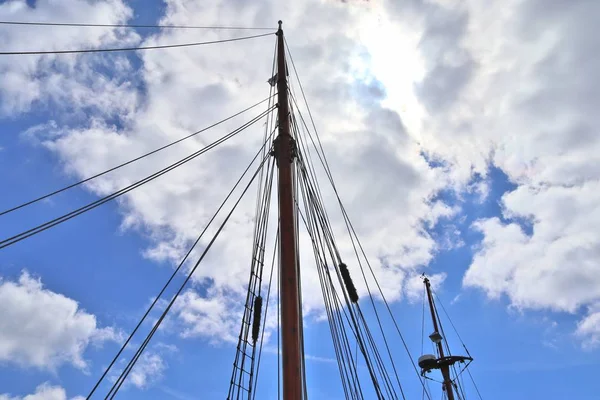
pixel 442 362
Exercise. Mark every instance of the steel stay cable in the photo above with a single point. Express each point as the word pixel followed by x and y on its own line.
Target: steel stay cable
pixel 335 322
pixel 329 175
pixel 376 313
pixel 258 242
pixel 49 224
pixel 141 349
pixel 459 338
pixel 351 320
pixel 309 161
pixel 459 389
pixel 266 148
pixel 334 325
pixel 278 335
pixel 255 277
pixel 341 367
pixel 378 356
pixel 133 160
pixel 350 226
pixel 474 384
pixel 261 243
pixel 157 298
pixel 249 302
pixel 329 284
pixel 135 26
pixel 423 330
pixel 297 225
pixel 168 308
pixel 109 50
pixel 451 323
pixel 379 361
pixel 267 130
pixel 327 227
pixel 266 311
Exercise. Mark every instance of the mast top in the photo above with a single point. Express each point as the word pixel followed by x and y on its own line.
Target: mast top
pixel 280 23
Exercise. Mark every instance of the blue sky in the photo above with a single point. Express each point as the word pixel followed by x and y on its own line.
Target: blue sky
pixel 505 212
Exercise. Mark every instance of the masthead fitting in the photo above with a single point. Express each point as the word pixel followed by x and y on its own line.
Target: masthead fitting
pixel 280 23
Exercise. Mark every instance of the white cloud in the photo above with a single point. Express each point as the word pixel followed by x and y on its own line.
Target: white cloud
pixel 147 370
pixel 491 87
pixel 588 329
pixel 43 329
pixel 44 391
pixel 518 80
pixel 212 317
pixel 415 288
pixel 150 367
pixel 61 81
pixel 512 84
pixel 385 182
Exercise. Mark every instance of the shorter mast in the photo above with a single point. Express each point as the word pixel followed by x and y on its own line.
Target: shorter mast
pixel 437 338
pixel 443 362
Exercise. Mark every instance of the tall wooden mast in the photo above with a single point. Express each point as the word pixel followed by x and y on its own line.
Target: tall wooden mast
pixel 289 277
pixel 444 367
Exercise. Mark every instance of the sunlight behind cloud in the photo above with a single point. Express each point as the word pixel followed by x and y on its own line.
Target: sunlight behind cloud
pixel 396 62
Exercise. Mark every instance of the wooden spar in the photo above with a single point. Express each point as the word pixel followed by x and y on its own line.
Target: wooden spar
pixel 445 368
pixel 289 277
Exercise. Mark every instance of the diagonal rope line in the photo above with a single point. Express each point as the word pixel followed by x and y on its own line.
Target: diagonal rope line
pixel 47 225
pixel 136 26
pixel 327 228
pixel 349 224
pixel 266 313
pixel 164 288
pixel 377 357
pixel 141 349
pixel 355 319
pixel 166 46
pixel 133 160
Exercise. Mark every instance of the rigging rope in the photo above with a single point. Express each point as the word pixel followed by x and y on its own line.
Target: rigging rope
pixel 133 160
pixel 349 225
pixel 358 319
pixel 423 332
pixel 166 46
pixel 455 382
pixel 40 228
pixel 311 198
pixel 460 339
pixel 175 272
pixel 253 296
pixel 135 26
pixel 379 362
pixel 253 292
pixel 266 313
pixel 112 393
pixel 474 384
pixel 348 376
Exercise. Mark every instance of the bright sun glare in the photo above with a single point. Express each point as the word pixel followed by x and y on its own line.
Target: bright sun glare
pixel 396 63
